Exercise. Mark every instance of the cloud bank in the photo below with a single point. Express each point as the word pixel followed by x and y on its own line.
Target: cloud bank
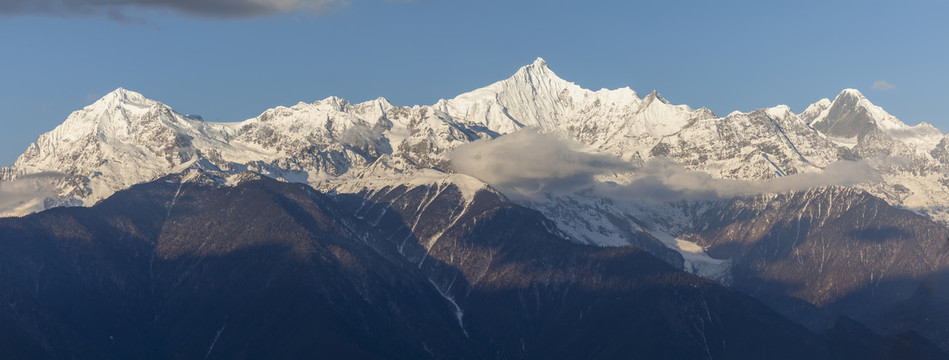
pixel 531 165
pixel 665 180
pixel 27 193
pixel 118 9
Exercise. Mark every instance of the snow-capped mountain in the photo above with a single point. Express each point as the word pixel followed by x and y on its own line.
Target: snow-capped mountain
pixel 629 171
pixel 611 121
pixel 120 140
pixel 125 138
pixel 851 118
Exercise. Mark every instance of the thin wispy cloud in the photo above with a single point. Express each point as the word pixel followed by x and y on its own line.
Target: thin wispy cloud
pixel 665 180
pixel 126 9
pixel 26 193
pixel 882 85
pixel 532 165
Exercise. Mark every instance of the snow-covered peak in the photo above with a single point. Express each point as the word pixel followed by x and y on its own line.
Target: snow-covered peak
pixel 850 93
pixel 539 61
pixel 113 115
pixel 117 105
pixel 120 140
pixel 851 116
pixel 821 104
pixel 378 107
pixel 323 110
pixel 116 114
pixel 122 96
pixel 851 99
pixel 615 121
pixel 779 112
pixel 534 96
pixel 336 102
pixel 814 110
pixel 539 71
pixel 655 96
pixel 536 79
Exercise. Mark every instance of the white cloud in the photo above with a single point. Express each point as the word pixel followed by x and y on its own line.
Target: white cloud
pixel 529 164
pixel 665 180
pixel 882 85
pixel 27 193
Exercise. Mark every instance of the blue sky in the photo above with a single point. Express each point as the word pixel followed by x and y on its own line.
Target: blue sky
pixel 228 66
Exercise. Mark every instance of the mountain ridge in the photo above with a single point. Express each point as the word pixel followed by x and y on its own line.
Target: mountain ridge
pixel 601 145
pixel 125 138
pixel 293 272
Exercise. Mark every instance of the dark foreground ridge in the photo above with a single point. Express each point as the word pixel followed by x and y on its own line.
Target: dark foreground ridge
pixel 178 269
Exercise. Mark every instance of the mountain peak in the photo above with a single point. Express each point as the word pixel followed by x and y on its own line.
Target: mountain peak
pixel 654 95
pixel 852 115
pixel 123 95
pixel 112 115
pixel 850 93
pixel 538 69
pixel 122 98
pixel 822 103
pixel 534 89
pixel 815 110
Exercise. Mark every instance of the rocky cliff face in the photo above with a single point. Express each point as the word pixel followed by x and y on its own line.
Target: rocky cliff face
pixel 821 253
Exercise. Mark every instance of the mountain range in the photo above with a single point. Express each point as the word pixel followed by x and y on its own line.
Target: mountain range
pixel 527 190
